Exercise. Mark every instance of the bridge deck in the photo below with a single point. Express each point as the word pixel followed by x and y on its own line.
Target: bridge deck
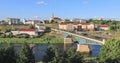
pixel 88 38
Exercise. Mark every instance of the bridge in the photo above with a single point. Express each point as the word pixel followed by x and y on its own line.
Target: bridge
pixel 81 36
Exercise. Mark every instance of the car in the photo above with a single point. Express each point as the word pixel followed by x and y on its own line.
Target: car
pixel 97 37
pixel 84 34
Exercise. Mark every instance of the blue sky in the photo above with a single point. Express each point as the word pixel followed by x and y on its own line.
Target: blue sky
pixel 61 8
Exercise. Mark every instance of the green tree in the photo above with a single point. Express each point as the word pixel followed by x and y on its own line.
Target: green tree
pixel 56 58
pixel 31 26
pixel 3 36
pixel 76 58
pixel 110 52
pixel 50 53
pixel 48 29
pixel 69 56
pixel 90 20
pixel 7 30
pixel 25 55
pixel 7 55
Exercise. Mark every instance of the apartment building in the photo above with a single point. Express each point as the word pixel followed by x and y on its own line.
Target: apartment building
pixel 11 21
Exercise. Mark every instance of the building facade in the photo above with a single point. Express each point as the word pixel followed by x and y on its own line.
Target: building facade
pixel 25 31
pixel 11 21
pixel 41 27
pixel 65 26
pixel 28 31
pixel 103 27
pixel 55 19
pixel 75 26
pixel 32 22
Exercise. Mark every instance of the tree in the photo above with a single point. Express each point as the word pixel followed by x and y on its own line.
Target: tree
pixel 69 56
pixel 90 20
pixel 10 35
pixel 48 29
pixel 31 26
pixel 7 55
pixel 3 36
pixel 25 55
pixel 74 56
pixel 50 53
pixel 110 52
pixel 7 30
pixel 56 57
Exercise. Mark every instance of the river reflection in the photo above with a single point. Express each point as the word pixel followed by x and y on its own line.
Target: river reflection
pixel 40 49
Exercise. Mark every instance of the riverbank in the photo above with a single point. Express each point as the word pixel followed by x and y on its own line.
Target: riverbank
pixel 31 40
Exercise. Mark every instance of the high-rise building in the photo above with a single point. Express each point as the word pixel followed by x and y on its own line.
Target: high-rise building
pixel 11 21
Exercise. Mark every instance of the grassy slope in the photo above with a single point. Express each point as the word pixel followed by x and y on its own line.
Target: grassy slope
pixel 30 40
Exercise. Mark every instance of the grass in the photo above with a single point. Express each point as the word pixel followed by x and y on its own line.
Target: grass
pixel 31 40
pixel 52 25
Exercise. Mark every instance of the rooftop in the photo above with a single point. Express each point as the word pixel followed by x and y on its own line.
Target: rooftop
pixel 27 29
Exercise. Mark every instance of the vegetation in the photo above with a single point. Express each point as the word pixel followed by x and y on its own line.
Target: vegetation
pixel 110 52
pixel 31 26
pixel 25 55
pixel 50 53
pixel 47 37
pixel 31 40
pixel 7 55
pixel 56 56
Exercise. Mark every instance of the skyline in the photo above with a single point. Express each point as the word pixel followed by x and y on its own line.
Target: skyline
pixel 43 9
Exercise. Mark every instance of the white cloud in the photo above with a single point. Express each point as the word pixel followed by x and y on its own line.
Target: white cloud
pixel 85 2
pixel 41 3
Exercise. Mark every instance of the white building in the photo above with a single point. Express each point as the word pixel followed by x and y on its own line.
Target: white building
pixel 26 31
pixel 32 22
pixel 83 21
pixel 3 22
pixel 41 27
pixel 13 21
pixel 103 27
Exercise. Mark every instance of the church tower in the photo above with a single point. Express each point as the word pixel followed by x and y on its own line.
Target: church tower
pixel 52 17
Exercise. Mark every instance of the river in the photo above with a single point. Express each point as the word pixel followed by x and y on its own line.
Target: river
pixel 40 49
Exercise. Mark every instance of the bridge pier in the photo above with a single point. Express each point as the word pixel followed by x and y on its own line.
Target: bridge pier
pixel 68 43
pixel 84 49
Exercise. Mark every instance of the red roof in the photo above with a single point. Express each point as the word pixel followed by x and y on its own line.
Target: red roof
pixel 36 20
pixel 75 23
pixel 26 29
pixel 102 25
pixel 63 23
pixel 86 24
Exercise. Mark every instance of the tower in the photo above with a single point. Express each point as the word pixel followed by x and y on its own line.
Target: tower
pixel 52 17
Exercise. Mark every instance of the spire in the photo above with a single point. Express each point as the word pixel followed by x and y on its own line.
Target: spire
pixel 52 15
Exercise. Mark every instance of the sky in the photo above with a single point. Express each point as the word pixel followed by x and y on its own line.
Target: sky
pixel 43 9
